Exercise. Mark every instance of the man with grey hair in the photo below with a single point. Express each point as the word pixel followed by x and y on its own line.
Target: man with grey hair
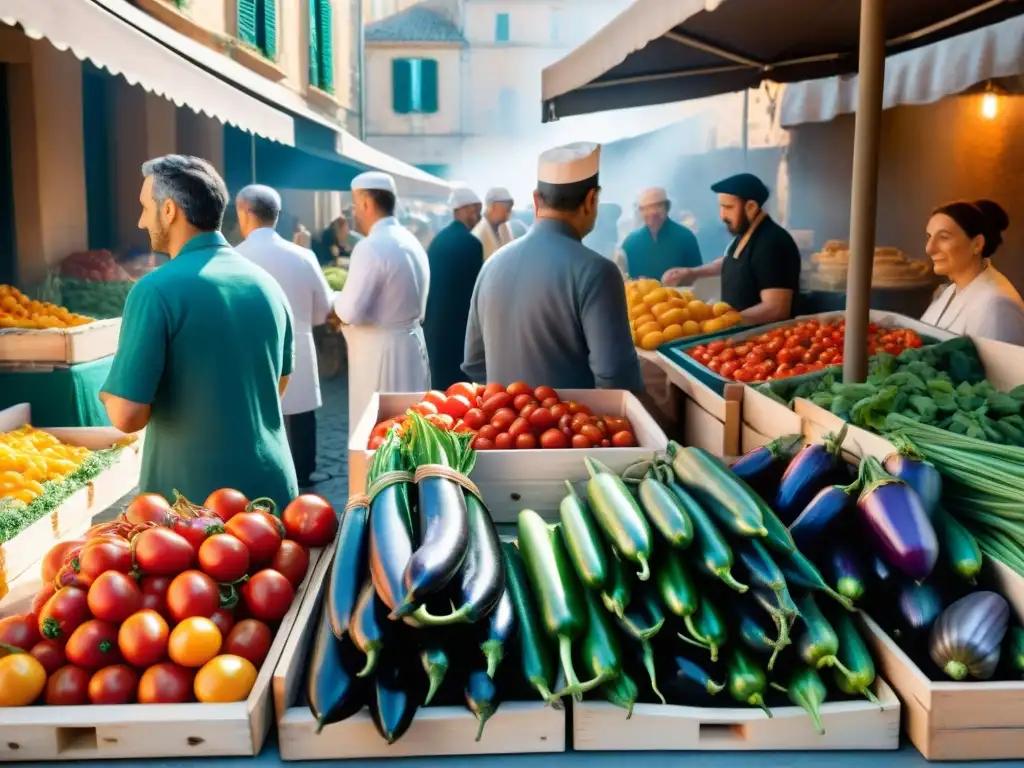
pixel 297 272
pixel 493 230
pixel 205 350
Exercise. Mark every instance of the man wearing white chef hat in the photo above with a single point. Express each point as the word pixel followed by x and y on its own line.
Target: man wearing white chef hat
pixel 455 258
pixel 493 230
pixel 660 244
pixel 547 309
pixel 384 299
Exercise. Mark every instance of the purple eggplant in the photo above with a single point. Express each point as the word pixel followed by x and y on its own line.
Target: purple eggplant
pixel 762 467
pixel 897 522
pixel 811 469
pixel 846 572
pixel 967 637
pixel 821 514
pixel 919 606
pixel 919 474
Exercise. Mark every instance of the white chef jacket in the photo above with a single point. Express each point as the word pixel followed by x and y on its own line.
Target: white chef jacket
pixel 298 273
pixel 382 304
pixel 492 240
pixel 989 307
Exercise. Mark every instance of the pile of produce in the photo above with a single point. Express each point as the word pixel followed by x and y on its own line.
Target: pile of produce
pixel 794 350
pixel 658 314
pixel 690 588
pixel 942 385
pixel 513 417
pixel 166 604
pixel 94 267
pixel 336 277
pixel 95 299
pixel 19 311
pixel 892 539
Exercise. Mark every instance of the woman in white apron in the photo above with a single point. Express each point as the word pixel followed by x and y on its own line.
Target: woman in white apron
pixel 980 301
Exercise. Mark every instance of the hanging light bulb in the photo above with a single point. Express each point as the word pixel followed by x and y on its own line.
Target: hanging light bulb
pixel 989 103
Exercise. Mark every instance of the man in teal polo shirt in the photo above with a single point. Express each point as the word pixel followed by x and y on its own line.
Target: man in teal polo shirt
pixel 205 352
pixel 661 244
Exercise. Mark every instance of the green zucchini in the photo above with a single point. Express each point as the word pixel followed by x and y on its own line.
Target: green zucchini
pixel 856 658
pixel 710 626
pixel 817 641
pixel 958 545
pixel 715 554
pixel 600 652
pixel 616 593
pixel 536 657
pixel 736 505
pixel 675 587
pixel 622 692
pixel 619 516
pixel 583 540
pixel 746 681
pixel 806 690
pixel 665 512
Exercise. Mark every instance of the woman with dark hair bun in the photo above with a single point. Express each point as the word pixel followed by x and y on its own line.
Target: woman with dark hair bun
pixel 980 300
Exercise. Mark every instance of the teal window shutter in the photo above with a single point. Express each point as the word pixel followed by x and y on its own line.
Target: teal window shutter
pixel 247 25
pixel 501 27
pixel 269 28
pixel 428 86
pixel 314 46
pixel 401 86
pixel 326 47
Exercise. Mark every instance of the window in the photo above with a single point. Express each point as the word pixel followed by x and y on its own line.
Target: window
pixel 321 49
pixel 556 27
pixel 414 86
pixel 257 25
pixel 501 27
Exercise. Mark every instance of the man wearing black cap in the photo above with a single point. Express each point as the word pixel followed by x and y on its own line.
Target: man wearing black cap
pixel 761 268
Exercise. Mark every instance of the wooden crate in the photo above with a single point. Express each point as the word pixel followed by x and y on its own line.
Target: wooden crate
pixel 34 734
pixel 849 725
pixel 817 423
pixel 71 345
pixel 957 721
pixel 710 421
pixel 513 480
pixel 29 546
pixel 516 728
pixel 764 419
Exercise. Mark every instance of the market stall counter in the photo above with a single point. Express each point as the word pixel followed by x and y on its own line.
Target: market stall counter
pixel 60 395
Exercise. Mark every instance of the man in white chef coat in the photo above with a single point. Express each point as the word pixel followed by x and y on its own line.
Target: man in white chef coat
pixel 493 229
pixel 296 270
pixel 384 299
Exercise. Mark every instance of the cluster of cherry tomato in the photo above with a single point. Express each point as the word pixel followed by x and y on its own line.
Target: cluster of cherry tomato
pixel 166 604
pixel 515 417
pixel 797 349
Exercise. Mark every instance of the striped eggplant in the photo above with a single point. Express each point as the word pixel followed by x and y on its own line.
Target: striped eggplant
pixel 821 515
pixel 919 474
pixel 811 469
pixel 967 637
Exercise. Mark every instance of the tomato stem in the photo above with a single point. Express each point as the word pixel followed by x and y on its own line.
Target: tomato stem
pixel 264 503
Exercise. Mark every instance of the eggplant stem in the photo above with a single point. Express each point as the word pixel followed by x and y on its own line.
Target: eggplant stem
pixel 572 683
pixel 436 677
pixel 955 669
pixel 692 629
pixel 832 661
pixel 866 692
pixel 706 646
pixel 645 568
pixel 643 634
pixel 725 575
pixel 816 720
pixel 482 718
pixel 494 650
pixel 613 605
pixel 778 687
pixel 649 666
pixel 544 691
pixel 712 687
pixel 319 725
pixel 605 677
pixel 756 700
pixel 424 618
pixel 372 652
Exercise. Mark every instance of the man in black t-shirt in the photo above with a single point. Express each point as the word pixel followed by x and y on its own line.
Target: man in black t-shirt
pixel 761 268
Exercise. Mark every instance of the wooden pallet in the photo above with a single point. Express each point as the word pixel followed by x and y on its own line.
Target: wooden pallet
pixel 59 345
pixel 34 734
pixel 516 728
pixel 501 474
pixel 849 725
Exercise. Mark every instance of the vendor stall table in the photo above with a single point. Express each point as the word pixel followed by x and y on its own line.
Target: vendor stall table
pixel 60 395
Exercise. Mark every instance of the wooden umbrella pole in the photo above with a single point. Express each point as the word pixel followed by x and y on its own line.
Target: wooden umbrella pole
pixel 870 85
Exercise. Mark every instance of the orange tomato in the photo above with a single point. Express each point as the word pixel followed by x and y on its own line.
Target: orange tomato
pixel 463 388
pixel 194 642
pixel 435 398
pixel 22 679
pixel 225 679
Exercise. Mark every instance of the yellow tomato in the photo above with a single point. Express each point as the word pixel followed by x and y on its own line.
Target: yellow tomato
pixel 22 679
pixel 719 308
pixel 713 326
pixel 652 340
pixel 673 332
pixel 674 316
pixel 698 310
pixel 644 319
pixel 225 679
pixel 646 328
pixel 194 642
pixel 673 293
pixel 638 310
pixel 731 318
pixel 691 328
pixel 677 303
pixel 656 296
pixel 660 308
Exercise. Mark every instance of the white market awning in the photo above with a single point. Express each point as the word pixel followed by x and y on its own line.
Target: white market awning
pixel 93 33
pixel 410 180
pixel 921 76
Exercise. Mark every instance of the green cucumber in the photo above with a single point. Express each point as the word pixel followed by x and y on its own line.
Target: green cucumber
pixel 643 623
pixel 856 658
pixel 958 545
pixel 665 512
pixel 710 626
pixel 817 641
pixel 675 587
pixel 583 540
pixel 616 593
pixel 736 505
pixel 619 516
pixel 746 681
pixel 622 692
pixel 537 659
pixel 715 554
pixel 600 652
pixel 806 690
pixel 1015 649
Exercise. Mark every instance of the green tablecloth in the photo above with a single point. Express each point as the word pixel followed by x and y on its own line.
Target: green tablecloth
pixel 63 397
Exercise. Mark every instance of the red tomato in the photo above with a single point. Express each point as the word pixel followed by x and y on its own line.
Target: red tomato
pixel 542 419
pixel 375 442
pixel 93 646
pixel 378 431
pixel 268 595
pixel 435 398
pixel 196 530
pixel 310 520
pixel 113 685
pixel 425 409
pixel 114 596
pixel 487 432
pixel 592 433
pixel 291 561
pixel 474 418
pixel 59 554
pixel 554 438
pixel 148 508
pixel 99 555
pixel 498 400
pixel 162 552
pixel 606 443
pixel 20 631
pixel 714 365
pixel 565 422
pixel 519 427
pixel 575 408
pixel 461 428
pixel 551 402
pixel 143 638
pixel 225 503
pixel 442 420
pixel 464 389
pixel 728 369
pixel 154 594
pixel 559 410
pixel 521 401
pixel 492 388
pixel 743 374
pixel 166 683
pixel 504 442
pixel 67 686
pixel 45 593
pixel 192 593
pixel 527 410
pixel 63 613
pixel 224 618
pixel 623 439
pixel 251 640
pixel 224 558
pixel 50 654
pixel 455 406
pixel 715 347
pixel 579 441
pixel 503 419
pixel 726 355
pixel 543 393
pixel 526 441
pixel 518 388
pixel 482 444
pixel 258 533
